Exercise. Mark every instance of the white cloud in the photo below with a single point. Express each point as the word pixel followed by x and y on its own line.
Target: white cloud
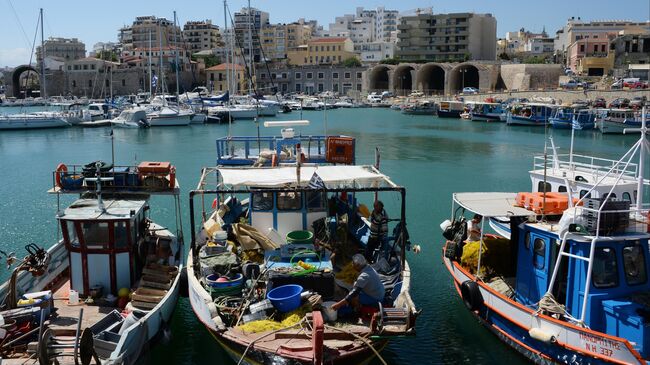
pixel 14 57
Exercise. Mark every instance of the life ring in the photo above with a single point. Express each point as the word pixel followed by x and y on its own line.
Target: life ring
pixel 471 294
pixel 172 177
pixel 60 170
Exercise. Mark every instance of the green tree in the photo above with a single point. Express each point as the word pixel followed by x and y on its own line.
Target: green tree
pixel 534 59
pixel 210 60
pixel 504 56
pixel 390 61
pixel 351 62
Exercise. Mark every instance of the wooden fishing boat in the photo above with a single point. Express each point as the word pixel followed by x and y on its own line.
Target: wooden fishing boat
pixel 71 303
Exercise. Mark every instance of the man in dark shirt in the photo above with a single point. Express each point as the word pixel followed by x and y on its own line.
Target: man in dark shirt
pixel 378 230
pixel 368 286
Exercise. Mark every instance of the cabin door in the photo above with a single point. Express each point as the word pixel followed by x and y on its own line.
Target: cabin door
pixel 540 248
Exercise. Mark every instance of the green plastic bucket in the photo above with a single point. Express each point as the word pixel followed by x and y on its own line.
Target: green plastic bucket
pixel 300 237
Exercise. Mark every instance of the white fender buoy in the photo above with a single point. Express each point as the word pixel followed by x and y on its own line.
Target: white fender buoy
pixel 542 335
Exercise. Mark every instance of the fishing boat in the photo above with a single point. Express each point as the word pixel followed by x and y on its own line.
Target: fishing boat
pixel 562 117
pixel 450 109
pixel 571 283
pixel 107 288
pixel 615 121
pixel 531 114
pixel 420 108
pixel 486 112
pixel 33 120
pixel 585 119
pixel 286 243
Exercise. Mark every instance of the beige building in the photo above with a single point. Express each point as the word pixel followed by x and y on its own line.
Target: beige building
pixel 64 49
pixel 320 51
pixel 201 35
pixel 216 77
pixel 447 37
pixel 278 39
pixel 144 29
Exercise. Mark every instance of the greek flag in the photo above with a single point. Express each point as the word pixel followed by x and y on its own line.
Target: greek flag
pixel 316 182
pixel 154 81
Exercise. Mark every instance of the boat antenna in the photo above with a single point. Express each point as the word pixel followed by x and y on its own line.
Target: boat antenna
pixel 112 146
pixel 176 57
pixel 643 149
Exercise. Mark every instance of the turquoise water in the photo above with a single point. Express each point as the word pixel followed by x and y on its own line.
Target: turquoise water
pixel 431 157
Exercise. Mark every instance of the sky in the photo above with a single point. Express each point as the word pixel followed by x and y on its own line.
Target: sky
pixel 93 21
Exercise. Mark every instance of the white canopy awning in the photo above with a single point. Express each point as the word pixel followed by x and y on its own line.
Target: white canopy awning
pixel 491 204
pixel 331 176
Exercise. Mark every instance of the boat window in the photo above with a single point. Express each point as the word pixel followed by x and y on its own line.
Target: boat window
pixel 626 196
pixel 562 189
pixel 539 253
pixel 634 264
pixel 583 193
pixel 290 200
pixel 611 196
pixel 527 241
pixel 121 235
pixel 542 185
pixel 605 272
pixel 262 200
pixel 316 201
pixel 95 234
pixel 72 233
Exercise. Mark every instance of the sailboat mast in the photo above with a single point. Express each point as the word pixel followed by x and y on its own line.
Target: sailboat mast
pixel 250 47
pixel 176 54
pixel 643 145
pixel 160 52
pixel 150 75
pixel 225 31
pixel 44 93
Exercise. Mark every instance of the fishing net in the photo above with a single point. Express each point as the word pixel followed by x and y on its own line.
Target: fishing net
pixel 265 325
pixel 495 257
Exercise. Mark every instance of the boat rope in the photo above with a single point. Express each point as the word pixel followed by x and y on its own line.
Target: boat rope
pixel 267 335
pixel 549 304
pixel 361 338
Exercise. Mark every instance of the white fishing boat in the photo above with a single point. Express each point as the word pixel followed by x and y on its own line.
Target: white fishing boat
pixel 109 286
pixel 235 111
pixel 615 121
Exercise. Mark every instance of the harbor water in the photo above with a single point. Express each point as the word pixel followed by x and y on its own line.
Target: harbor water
pixel 431 157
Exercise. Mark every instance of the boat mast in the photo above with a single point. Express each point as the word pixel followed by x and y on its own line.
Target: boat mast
pixel 643 149
pixel 176 54
pixel 160 51
pixel 250 47
pixel 225 31
pixel 44 93
pixel 150 75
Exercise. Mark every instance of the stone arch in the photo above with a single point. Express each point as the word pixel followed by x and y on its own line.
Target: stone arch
pixel 403 79
pixel 378 78
pixel 15 80
pixel 464 75
pixel 431 78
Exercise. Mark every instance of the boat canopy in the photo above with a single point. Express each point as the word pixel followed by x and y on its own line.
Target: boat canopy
pixel 492 204
pixel 331 177
pixel 88 209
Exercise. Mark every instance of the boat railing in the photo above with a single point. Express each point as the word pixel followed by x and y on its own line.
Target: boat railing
pixel 118 179
pixel 595 166
pixel 618 218
pixel 247 150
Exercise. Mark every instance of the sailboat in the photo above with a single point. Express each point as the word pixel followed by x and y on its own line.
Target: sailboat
pixel 35 120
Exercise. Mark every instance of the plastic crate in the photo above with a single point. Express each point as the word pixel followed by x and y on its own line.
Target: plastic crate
pixel 611 221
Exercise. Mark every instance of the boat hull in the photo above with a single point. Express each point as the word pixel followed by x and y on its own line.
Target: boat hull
pixel 610 127
pixel 479 117
pixel 559 123
pixel 449 113
pixel 17 123
pixel 171 121
pixel 511 322
pixel 519 120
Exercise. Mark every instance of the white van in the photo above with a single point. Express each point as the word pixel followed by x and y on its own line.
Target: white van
pixel 374 98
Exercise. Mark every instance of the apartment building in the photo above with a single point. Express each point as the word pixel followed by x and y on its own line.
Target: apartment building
pixel 278 39
pixel 248 26
pixel 325 50
pixel 150 31
pixel 216 77
pixel 62 49
pixel 446 37
pixel 201 35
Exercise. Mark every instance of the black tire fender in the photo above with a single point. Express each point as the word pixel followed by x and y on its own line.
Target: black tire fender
pixel 183 285
pixel 471 294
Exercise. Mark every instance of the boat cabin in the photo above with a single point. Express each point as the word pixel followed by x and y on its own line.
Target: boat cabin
pixel 102 242
pixel 621 115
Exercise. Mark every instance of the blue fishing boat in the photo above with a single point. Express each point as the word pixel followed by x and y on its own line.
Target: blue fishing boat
pixel 585 119
pixel 570 285
pixel 532 114
pixel 615 121
pixel 487 112
pixel 562 118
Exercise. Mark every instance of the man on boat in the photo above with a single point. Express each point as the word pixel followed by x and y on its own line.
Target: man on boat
pixel 474 228
pixel 368 286
pixel 378 230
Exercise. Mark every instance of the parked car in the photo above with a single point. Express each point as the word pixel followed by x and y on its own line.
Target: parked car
pixel 374 98
pixel 636 84
pixel 387 94
pixel 571 84
pixel 416 94
pixel 470 90
pixel 620 103
pixel 599 103
pixel 638 102
pixel 617 84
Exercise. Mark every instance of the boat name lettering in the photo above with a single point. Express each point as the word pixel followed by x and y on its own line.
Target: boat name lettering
pixel 599 345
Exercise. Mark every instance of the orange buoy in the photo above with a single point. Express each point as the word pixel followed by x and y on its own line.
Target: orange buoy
pixel 172 177
pixel 60 170
pixel 215 203
pixel 274 160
